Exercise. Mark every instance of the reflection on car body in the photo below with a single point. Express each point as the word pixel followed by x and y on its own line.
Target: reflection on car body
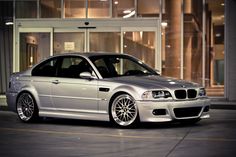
pixel 104 86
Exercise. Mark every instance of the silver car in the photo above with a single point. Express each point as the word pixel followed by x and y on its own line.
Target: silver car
pixel 104 86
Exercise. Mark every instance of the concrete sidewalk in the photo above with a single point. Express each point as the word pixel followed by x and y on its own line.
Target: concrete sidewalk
pixel 216 103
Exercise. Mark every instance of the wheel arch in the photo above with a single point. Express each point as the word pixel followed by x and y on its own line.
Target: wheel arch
pixel 32 92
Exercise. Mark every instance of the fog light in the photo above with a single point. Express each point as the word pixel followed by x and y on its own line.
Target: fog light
pixel 158 112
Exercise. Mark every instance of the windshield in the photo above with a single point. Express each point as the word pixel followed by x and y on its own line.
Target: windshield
pixel 120 65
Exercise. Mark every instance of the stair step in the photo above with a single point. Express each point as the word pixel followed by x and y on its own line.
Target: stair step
pixel 215 91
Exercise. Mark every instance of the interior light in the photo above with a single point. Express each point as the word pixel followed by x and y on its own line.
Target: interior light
pixel 9 23
pixel 218 35
pixel 130 14
pixel 164 24
pixel 127 11
pixel 222 4
pixel 168 46
pixel 116 2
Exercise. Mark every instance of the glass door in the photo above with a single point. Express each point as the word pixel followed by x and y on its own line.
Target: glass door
pixel 69 40
pixel 141 43
pixel 104 39
pixel 34 45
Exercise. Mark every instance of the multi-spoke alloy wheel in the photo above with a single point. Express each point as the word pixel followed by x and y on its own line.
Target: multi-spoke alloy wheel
pixel 26 107
pixel 124 110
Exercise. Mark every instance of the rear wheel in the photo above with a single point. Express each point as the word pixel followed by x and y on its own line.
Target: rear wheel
pixel 124 111
pixel 26 107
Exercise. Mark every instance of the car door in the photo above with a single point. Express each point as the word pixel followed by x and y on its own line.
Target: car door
pixel 72 93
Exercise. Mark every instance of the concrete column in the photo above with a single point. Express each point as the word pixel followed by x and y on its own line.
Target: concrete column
pixel 173 38
pixel 230 49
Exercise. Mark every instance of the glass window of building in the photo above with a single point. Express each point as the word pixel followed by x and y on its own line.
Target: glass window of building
pixel 141 45
pixel 171 38
pixel 98 9
pixel 75 8
pixel 192 42
pixel 68 41
pixel 123 8
pixel 148 9
pixel 50 8
pixel 26 9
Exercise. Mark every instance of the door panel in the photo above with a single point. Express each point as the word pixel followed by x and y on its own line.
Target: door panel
pixel 71 92
pixel 75 94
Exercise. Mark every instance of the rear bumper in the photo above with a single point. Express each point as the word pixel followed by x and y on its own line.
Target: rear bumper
pixel 11 101
pixel 173 110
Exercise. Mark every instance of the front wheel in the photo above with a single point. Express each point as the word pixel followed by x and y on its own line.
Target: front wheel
pixel 124 111
pixel 26 107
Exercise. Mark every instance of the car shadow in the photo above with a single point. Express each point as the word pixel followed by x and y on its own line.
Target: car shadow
pixel 105 124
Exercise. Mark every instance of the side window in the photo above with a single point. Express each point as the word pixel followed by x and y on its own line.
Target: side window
pixel 71 67
pixel 47 68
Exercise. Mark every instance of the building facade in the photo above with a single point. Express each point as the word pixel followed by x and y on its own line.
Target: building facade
pixel 185 39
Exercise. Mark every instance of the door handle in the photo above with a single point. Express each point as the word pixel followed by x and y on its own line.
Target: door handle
pixel 55 82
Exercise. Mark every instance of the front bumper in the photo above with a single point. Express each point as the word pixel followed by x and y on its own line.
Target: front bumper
pixel 174 110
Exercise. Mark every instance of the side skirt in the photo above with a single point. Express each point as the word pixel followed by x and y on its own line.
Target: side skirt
pixel 75 115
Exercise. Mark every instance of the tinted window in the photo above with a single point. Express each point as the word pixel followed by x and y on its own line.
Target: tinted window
pixel 118 65
pixel 47 68
pixel 71 67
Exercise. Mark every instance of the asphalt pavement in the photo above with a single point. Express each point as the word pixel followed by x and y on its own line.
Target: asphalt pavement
pixel 66 137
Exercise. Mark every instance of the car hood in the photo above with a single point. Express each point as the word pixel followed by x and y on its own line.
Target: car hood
pixel 155 82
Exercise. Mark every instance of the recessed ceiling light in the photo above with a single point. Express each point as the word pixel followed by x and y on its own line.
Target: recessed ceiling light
pixel 116 2
pixel 222 4
pixel 9 23
pixel 218 35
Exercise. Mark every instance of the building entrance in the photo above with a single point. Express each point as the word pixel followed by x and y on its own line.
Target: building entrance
pixel 37 44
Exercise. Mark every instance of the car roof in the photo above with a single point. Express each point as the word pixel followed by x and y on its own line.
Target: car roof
pixel 88 54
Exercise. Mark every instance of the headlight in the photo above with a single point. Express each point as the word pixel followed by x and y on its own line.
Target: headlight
pixel 158 94
pixel 202 92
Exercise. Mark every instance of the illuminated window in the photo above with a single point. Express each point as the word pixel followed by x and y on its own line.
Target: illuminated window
pixel 50 8
pixel 26 9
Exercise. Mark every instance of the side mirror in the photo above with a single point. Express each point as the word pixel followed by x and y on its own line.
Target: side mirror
pixel 87 75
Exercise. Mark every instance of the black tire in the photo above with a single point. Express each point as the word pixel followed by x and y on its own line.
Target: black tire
pixel 26 108
pixel 123 111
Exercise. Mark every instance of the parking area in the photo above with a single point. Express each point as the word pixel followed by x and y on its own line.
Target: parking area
pixel 63 137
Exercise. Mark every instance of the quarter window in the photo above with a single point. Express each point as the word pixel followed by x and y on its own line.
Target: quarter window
pixel 47 68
